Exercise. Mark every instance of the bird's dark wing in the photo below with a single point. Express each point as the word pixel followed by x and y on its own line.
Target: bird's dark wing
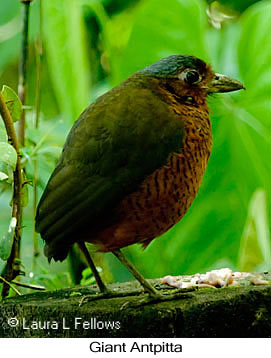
pixel 116 143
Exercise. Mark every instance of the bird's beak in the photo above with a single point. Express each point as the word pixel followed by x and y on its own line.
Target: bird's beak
pixel 222 83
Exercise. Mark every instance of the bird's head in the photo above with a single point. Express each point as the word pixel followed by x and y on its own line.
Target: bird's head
pixel 189 77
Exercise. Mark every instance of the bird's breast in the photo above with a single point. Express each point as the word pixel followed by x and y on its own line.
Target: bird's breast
pixel 165 196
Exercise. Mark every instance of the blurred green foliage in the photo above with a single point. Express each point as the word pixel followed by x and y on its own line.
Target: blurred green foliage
pixel 90 46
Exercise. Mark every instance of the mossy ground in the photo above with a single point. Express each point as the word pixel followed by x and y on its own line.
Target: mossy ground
pixel 243 311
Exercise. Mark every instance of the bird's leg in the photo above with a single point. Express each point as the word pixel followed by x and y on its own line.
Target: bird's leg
pixel 147 286
pixel 154 295
pixel 92 266
pixel 104 291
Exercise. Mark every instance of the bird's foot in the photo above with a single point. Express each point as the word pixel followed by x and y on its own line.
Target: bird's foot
pixel 152 297
pixel 108 294
pixel 167 297
pixel 158 297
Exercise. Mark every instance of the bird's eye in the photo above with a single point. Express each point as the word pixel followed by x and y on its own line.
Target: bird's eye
pixel 192 77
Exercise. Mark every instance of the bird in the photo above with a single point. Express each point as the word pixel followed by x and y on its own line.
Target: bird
pixel 132 163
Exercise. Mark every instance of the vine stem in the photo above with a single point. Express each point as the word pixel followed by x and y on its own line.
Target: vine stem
pixel 39 53
pixel 10 270
pixel 22 87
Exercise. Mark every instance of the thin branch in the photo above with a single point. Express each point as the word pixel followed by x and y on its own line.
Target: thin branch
pixel 26 285
pixel 10 271
pixel 10 285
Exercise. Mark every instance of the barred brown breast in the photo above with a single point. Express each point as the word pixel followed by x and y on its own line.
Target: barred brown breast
pixel 166 195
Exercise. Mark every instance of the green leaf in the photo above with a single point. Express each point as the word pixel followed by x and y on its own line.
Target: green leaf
pixel 3 134
pixel 7 240
pixel 3 176
pixel 8 154
pixel 75 294
pixel 160 30
pixel 25 194
pixel 255 242
pixel 13 103
pixel 87 276
pixel 51 150
pixel 2 266
pixel 64 38
pixel 6 178
pixel 53 281
pixel 254 58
